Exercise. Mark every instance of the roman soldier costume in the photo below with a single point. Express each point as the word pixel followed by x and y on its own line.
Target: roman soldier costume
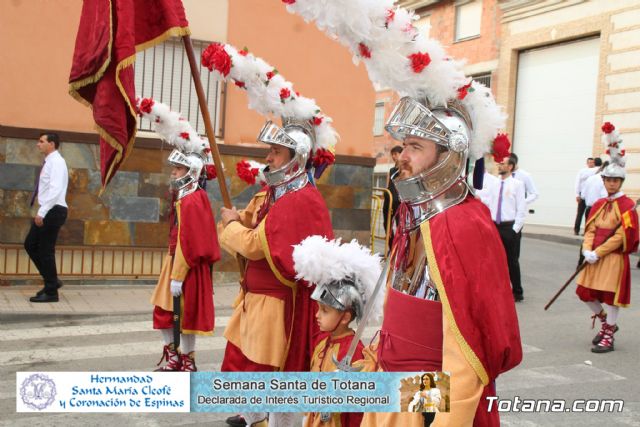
pixel 611 234
pixel 270 293
pixel 193 244
pixel 344 276
pixel 448 305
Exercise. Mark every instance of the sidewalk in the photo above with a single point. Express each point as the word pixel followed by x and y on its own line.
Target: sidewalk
pixel 554 234
pixel 79 299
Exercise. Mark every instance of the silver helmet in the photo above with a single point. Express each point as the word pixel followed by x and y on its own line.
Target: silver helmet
pixel 342 295
pixel 194 163
pixel 614 170
pixel 444 182
pixel 296 135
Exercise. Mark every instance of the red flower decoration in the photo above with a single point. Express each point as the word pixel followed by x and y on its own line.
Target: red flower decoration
pixel 501 146
pixel 270 74
pixel 246 172
pixel 214 56
pixel 607 127
pixel 244 51
pixel 391 14
pixel 419 61
pixel 462 92
pixel 146 104
pixel 211 172
pixel 622 153
pixel 317 120
pixel 365 52
pixel 185 135
pixel 288 1
pixel 206 150
pixel 607 152
pixel 239 83
pixel 284 93
pixel 323 157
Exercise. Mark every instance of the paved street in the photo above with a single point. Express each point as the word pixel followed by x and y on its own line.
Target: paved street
pixel 556 345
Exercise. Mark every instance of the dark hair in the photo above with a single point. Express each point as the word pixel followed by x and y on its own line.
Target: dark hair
pixel 432 383
pixel 396 149
pixel 513 162
pixel 589 158
pixel 604 165
pixel 597 161
pixel 52 137
pixel 514 157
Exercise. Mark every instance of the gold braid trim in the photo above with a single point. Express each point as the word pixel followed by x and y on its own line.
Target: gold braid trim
pixel 75 86
pixel 294 288
pixel 434 270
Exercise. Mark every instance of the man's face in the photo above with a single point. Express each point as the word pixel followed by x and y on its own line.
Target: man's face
pixel 278 156
pixel 591 163
pixel 395 156
pixel 178 172
pixel 44 146
pixel 417 156
pixel 612 185
pixel 504 168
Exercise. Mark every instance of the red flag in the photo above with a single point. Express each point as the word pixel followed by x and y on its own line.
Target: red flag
pixel 102 76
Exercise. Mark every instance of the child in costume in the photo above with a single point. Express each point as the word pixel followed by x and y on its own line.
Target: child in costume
pixel 345 276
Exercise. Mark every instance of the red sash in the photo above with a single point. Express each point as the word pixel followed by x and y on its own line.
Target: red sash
pixel 408 323
pixel 601 236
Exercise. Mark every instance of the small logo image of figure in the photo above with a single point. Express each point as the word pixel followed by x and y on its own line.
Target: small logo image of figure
pixel 38 391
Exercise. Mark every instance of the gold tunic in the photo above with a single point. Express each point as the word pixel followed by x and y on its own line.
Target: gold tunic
pixel 605 274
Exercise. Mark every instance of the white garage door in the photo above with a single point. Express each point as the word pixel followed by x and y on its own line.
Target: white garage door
pixel 554 123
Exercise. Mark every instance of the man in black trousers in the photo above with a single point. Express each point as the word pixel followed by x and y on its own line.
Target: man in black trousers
pixel 506 201
pixel 50 191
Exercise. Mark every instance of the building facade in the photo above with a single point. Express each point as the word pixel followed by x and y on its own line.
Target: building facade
pixel 565 68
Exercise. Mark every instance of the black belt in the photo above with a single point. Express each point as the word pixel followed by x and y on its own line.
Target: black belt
pixel 505 223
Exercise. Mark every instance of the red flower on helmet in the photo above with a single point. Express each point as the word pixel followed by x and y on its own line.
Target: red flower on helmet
pixel 288 1
pixel 317 120
pixel 391 14
pixel 211 172
pixel 419 61
pixel 214 56
pixel 185 135
pixel 246 172
pixel 146 104
pixel 272 73
pixel 284 93
pixel 239 84
pixel 244 51
pixel 323 157
pixel 463 91
pixel 365 52
pixel 501 146
pixel 607 127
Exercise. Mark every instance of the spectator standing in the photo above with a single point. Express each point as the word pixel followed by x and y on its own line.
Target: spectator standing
pixel 506 200
pixel 394 202
pixel 593 165
pixel 50 191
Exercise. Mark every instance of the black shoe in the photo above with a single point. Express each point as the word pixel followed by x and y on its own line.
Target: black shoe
pixel 41 291
pixel 236 421
pixel 518 298
pixel 44 298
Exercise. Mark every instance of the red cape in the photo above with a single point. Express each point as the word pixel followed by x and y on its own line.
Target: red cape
pixel 199 244
pixel 292 218
pixel 627 208
pixel 477 297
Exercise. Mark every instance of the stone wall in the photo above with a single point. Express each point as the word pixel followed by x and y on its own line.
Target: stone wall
pixel 132 212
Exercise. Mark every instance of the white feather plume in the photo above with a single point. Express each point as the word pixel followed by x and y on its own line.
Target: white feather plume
pixel 391 39
pixel 264 91
pixel 320 261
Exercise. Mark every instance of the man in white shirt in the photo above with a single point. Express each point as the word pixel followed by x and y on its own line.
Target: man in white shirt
pixel 530 190
pixel 50 191
pixel 593 165
pixel 506 201
pixel 593 189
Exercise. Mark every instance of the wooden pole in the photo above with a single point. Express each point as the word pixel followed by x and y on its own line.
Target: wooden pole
pixel 206 117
